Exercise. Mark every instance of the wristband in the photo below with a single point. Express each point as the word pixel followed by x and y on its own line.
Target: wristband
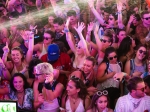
pixel 124 74
pixel 66 30
pixel 48 86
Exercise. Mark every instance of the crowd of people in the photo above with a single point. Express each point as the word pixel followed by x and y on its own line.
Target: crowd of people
pixel 75 55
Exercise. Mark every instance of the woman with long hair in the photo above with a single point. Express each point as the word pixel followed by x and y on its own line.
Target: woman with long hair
pixel 76 99
pixel 100 102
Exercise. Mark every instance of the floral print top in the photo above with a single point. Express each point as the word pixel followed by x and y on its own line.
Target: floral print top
pixel 28 99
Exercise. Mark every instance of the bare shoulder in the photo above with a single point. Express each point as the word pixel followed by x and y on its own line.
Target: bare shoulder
pixel 110 110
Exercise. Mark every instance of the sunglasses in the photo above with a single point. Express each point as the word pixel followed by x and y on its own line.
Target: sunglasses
pixel 111 58
pixel 110 18
pixel 147 18
pixel 79 47
pixel 37 75
pixel 142 89
pixel 74 78
pixel 142 52
pixel 100 93
pixel 46 38
pixel 104 41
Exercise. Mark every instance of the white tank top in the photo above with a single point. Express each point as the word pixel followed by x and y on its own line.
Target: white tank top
pixel 80 107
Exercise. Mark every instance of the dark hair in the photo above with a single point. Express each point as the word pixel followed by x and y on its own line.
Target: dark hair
pixel 119 30
pixel 132 83
pixel 108 33
pixel 107 52
pixel 61 46
pixel 26 84
pixel 107 10
pixel 32 64
pixel 137 16
pixel 71 13
pixel 38 37
pixel 124 47
pixel 20 50
pixel 92 59
pixel 114 15
pixel 144 12
pixel 58 21
pixel 94 99
pixel 147 80
pixel 80 85
pixel 50 33
pixel 138 47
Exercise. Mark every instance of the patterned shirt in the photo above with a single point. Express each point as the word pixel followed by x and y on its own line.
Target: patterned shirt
pixel 129 104
pixel 28 99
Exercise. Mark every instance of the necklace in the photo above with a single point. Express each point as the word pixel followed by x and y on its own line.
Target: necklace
pixel 74 100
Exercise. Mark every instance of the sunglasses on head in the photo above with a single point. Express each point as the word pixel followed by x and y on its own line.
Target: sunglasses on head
pixel 142 52
pixel 104 41
pixel 100 93
pixel 147 18
pixel 111 58
pixel 74 78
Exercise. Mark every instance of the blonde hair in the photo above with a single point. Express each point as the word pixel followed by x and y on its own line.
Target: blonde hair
pixel 44 68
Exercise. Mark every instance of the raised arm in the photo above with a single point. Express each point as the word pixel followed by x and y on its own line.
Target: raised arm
pixel 128 29
pixel 79 30
pixel 5 72
pixel 69 36
pixel 98 42
pixel 30 46
pixel 96 14
pixel 119 8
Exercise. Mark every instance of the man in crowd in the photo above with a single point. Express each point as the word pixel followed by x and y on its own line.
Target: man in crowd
pixel 135 100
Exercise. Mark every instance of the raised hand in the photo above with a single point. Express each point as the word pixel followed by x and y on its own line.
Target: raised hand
pixel 90 26
pixel 96 29
pixel 132 17
pixel 119 6
pixel 67 23
pixel 119 76
pixel 80 27
pixel 91 3
pixel 49 78
pixel 6 49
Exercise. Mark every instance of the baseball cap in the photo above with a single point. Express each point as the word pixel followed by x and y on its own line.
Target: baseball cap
pixel 53 52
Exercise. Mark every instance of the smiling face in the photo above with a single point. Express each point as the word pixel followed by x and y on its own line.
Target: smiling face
pixel 106 42
pixel 102 103
pixel 112 57
pixel 71 88
pixel 139 92
pixel 18 83
pixel 141 53
pixel 87 66
pixel 16 56
pixel 47 38
pixel 121 35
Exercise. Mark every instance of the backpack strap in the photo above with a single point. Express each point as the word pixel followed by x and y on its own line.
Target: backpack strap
pixel 107 66
pixel 121 66
pixel 132 66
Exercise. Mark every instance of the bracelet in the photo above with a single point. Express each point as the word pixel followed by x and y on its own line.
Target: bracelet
pixel 124 74
pixel 119 12
pixel 48 86
pixel 66 30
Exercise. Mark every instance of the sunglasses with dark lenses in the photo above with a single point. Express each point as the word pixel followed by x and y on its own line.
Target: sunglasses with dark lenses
pixel 100 93
pixel 104 41
pixel 142 89
pixel 78 47
pixel 110 18
pixel 142 52
pixel 74 78
pixel 111 58
pixel 46 38
pixel 147 18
